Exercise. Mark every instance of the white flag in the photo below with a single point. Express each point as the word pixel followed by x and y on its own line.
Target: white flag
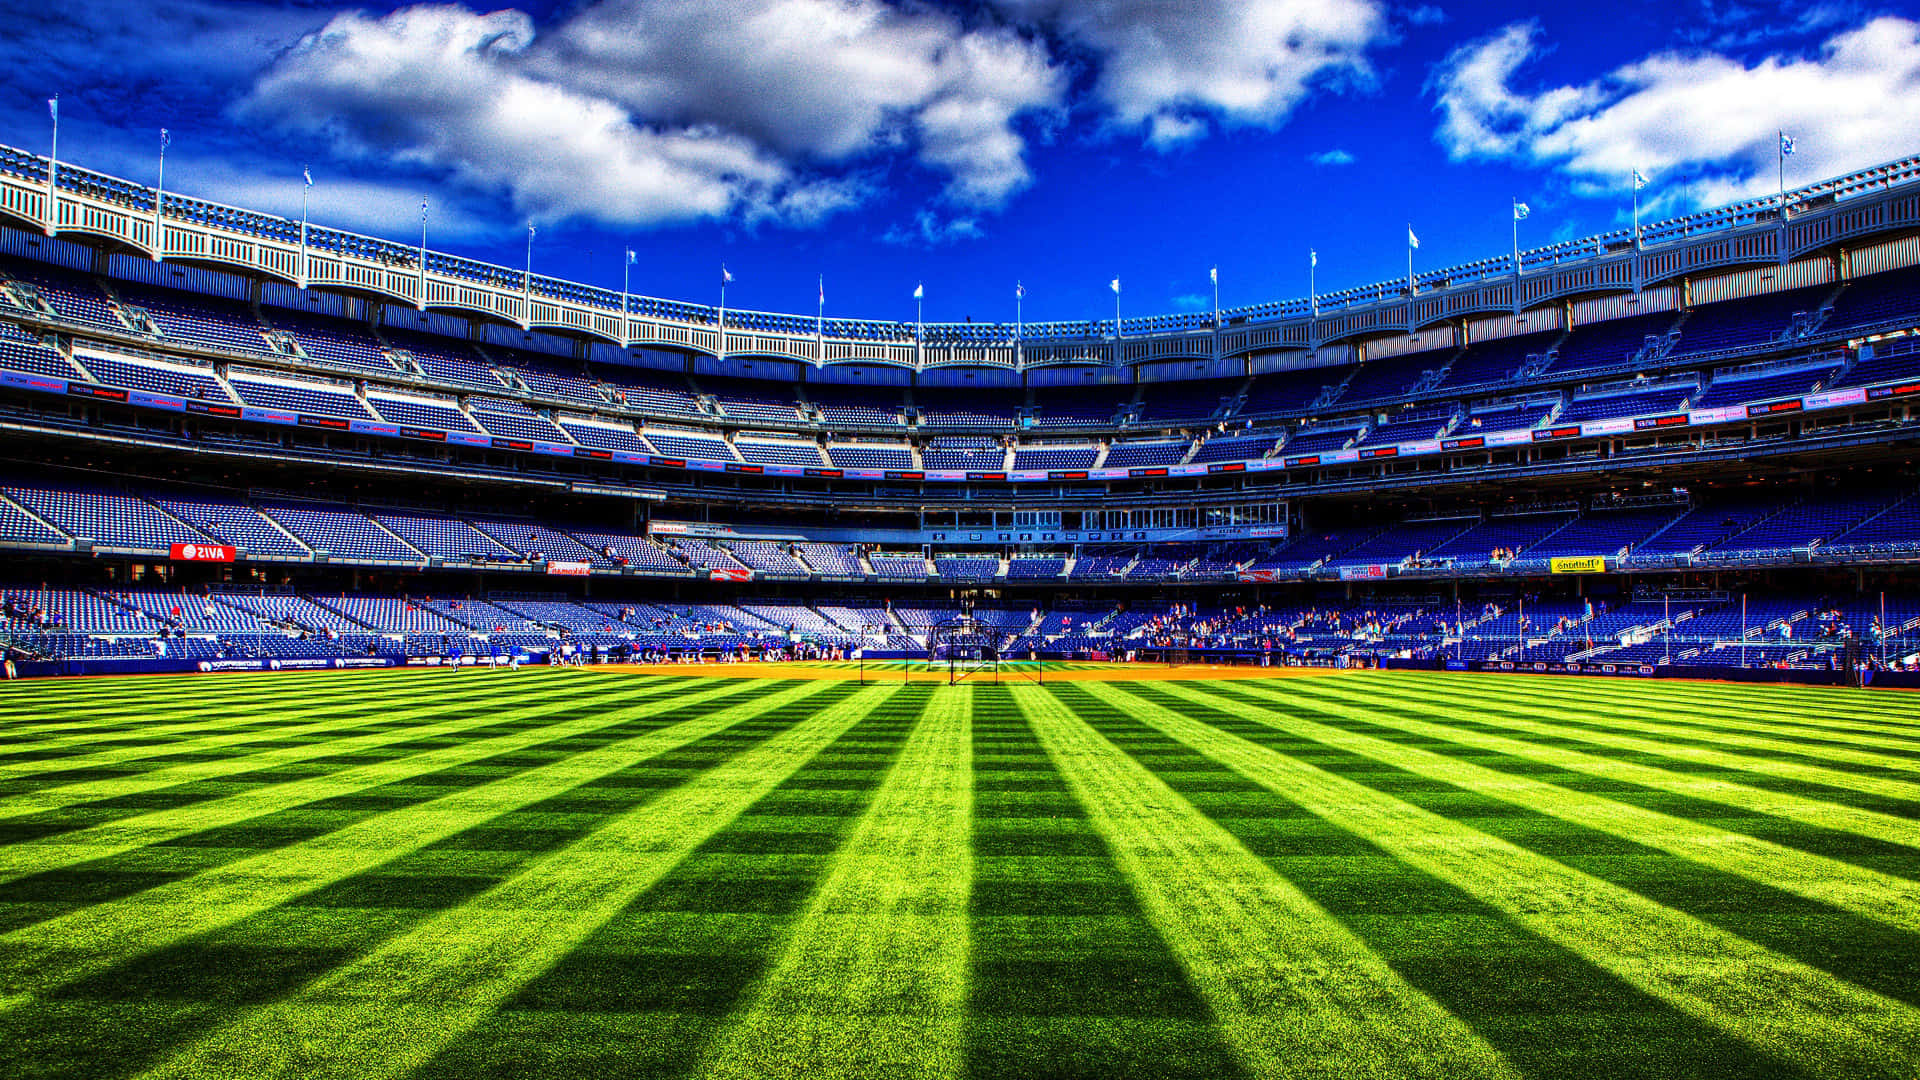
pixel 631 256
pixel 1115 285
pixel 1313 257
pixel 423 208
pixel 726 278
pixel 1019 291
pixel 165 139
pixel 531 230
pixel 1215 275
pixel 919 291
pixel 1412 240
pixel 1786 144
pixel 1520 211
pixel 307 175
pixel 53 107
pixel 1639 180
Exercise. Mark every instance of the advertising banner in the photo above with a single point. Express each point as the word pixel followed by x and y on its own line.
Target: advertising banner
pixel 202 553
pixel 569 569
pixel 1579 564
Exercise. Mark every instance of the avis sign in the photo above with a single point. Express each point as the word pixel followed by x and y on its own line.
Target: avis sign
pixel 202 553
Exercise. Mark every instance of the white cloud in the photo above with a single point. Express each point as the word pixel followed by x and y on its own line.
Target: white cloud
pixel 662 112
pixel 1170 69
pixel 1335 156
pixel 1706 118
pixel 1192 302
pixel 821 79
pixel 929 229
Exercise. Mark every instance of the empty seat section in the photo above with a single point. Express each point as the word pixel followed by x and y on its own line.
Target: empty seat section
pixel 231 521
pixel 774 452
pixel 272 391
pixel 438 413
pixel 1138 454
pixel 107 518
pixel 180 379
pixel 211 322
pixel 1612 342
pixel 512 420
pixel 870 456
pixel 343 532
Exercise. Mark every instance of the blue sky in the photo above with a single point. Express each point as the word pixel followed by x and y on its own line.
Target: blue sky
pixel 968 145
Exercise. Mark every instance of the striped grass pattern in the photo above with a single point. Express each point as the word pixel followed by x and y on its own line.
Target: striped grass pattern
pixel 593 874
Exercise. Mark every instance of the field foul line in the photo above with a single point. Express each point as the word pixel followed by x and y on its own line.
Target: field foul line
pixel 1294 992
pixel 393 1009
pixel 114 837
pixel 37 958
pixel 1827 1026
pixel 873 979
pixel 1882 897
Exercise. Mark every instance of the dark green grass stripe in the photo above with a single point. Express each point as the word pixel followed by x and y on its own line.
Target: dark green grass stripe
pixel 1704 760
pixel 1068 977
pixel 351 753
pixel 37 897
pixel 646 993
pixel 184 712
pixel 1873 853
pixel 1872 954
pixel 1734 716
pixel 130 1016
pixel 1865 712
pixel 1884 713
pixel 1544 1007
pixel 226 821
pixel 165 742
pixel 1576 714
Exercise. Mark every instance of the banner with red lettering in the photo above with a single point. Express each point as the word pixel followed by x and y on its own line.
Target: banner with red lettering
pixel 203 553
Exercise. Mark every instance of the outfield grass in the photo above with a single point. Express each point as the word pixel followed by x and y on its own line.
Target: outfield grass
pixel 575 874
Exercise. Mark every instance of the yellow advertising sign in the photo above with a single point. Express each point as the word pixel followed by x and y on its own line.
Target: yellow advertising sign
pixel 1580 564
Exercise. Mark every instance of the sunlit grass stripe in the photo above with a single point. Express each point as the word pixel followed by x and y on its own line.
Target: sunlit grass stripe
pixel 1733 713
pixel 45 955
pixel 1430 722
pixel 1865 892
pixel 127 741
pixel 1504 714
pixel 1825 1025
pixel 1880 710
pixel 1295 993
pixel 1573 706
pixel 69 849
pixel 394 1008
pixel 249 755
pixel 184 698
pixel 365 713
pixel 873 979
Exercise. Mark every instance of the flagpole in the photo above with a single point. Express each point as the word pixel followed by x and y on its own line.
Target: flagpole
pixel 422 302
pixel 721 352
pixel 1516 243
pixel 1780 154
pixel 526 280
pixel 1313 289
pixel 626 282
pixel 1216 297
pixel 306 192
pixel 53 168
pixel 159 196
pixel 1116 309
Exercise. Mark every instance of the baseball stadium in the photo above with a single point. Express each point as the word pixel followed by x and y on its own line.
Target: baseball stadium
pixel 428 668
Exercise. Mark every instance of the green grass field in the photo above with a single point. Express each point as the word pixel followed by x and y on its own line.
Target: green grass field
pixel 583 874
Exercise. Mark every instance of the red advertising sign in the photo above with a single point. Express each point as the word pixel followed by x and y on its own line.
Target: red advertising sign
pixel 569 569
pixel 202 553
